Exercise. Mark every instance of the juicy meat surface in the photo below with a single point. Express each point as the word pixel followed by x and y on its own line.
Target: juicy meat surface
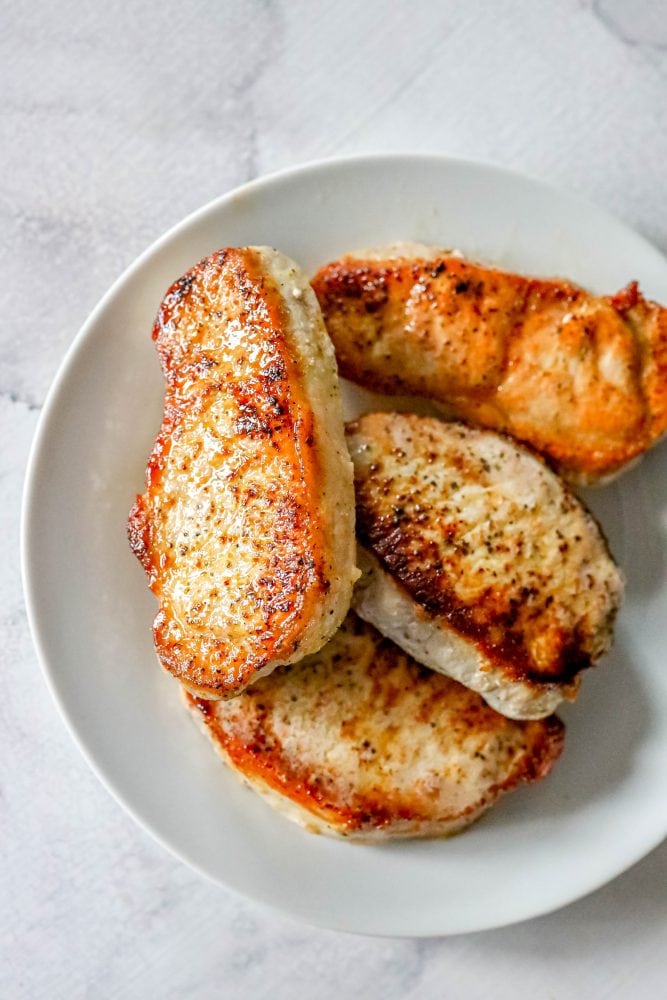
pixel 246 528
pixel 479 561
pixel 359 740
pixel 580 378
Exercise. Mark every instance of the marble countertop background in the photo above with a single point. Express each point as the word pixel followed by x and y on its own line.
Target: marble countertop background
pixel 118 119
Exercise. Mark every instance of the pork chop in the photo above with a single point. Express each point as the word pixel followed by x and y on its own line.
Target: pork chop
pixel 361 741
pixel 580 378
pixel 246 527
pixel 478 561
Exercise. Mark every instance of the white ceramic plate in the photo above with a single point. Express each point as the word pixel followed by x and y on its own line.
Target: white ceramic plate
pixel 602 809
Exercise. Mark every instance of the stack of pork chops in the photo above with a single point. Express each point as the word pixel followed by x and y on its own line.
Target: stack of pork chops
pixel 376 622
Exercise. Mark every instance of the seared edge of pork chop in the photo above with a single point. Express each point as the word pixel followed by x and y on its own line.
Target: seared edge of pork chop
pixel 383 602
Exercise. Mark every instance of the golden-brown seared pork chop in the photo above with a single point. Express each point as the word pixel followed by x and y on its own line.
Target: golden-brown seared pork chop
pixel 246 528
pixel 580 378
pixel 478 561
pixel 361 741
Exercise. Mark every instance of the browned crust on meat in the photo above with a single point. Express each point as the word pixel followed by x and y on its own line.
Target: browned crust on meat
pixel 220 336
pixel 417 539
pixel 251 734
pixel 580 378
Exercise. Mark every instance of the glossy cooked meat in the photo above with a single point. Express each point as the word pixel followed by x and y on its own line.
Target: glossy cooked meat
pixel 361 741
pixel 478 561
pixel 580 378
pixel 246 528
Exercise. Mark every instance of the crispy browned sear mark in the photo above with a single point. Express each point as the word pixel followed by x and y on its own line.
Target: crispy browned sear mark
pixel 478 561
pixel 580 378
pixel 246 528
pixel 359 740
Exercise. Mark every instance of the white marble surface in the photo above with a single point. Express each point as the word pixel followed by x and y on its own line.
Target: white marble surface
pixel 118 119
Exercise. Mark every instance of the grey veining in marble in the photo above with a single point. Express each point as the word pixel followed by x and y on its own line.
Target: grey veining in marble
pixel 118 119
